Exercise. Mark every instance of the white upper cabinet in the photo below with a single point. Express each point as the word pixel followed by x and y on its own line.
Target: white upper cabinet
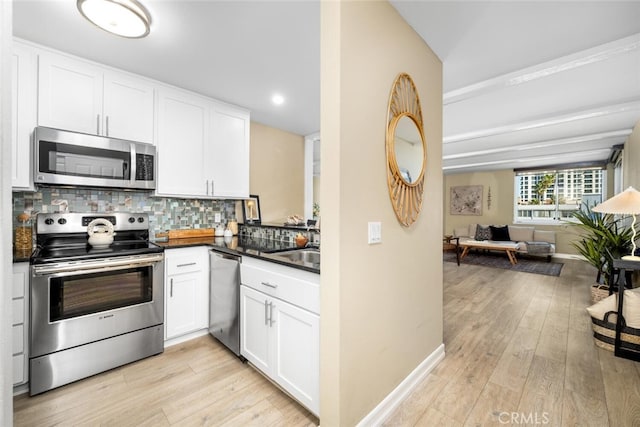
pixel 229 162
pixel 203 147
pixel 128 107
pixel 78 96
pixel 183 132
pixel 23 115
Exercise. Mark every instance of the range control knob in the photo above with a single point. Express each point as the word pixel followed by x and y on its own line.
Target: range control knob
pixel 62 221
pixel 131 219
pixel 48 221
pixel 141 219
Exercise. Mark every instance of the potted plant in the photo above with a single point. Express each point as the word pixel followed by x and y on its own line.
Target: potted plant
pixel 601 240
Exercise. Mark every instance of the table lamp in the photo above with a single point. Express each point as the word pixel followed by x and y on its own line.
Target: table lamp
pixel 624 203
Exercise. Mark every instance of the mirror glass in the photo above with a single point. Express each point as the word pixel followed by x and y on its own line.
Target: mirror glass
pixel 407 145
pixel 406 150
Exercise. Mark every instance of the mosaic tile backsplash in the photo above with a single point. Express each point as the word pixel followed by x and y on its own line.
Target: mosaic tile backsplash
pixel 164 213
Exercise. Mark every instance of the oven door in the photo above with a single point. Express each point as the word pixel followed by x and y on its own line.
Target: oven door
pixel 82 302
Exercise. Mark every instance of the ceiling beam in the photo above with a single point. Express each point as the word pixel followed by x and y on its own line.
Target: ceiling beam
pixel 546 121
pixel 600 53
pixel 604 136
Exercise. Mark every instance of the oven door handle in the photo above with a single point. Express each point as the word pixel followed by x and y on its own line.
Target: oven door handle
pixel 65 269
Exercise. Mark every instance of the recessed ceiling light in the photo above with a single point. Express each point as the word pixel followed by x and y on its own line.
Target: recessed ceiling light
pixel 126 18
pixel 277 99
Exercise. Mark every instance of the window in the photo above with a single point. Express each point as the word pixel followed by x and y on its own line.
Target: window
pixel 551 196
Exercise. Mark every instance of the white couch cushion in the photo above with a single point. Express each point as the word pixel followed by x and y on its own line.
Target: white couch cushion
pixel 519 233
pixel 544 236
pixel 461 232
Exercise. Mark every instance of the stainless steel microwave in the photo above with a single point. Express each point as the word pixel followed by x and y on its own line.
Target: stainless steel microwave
pixel 78 159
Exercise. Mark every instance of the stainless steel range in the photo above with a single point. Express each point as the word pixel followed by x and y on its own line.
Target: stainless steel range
pixel 93 308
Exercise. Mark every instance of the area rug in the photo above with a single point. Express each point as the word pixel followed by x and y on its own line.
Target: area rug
pixel 500 260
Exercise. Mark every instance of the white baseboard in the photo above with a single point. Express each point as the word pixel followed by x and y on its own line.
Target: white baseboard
pixel 569 256
pixel 385 408
pixel 186 337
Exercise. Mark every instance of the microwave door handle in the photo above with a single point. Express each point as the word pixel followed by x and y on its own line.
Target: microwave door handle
pixel 133 165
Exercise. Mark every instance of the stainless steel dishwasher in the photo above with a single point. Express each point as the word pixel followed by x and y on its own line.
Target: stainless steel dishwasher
pixel 224 307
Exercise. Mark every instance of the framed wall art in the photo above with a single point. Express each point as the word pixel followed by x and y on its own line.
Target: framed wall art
pixel 466 200
pixel 251 210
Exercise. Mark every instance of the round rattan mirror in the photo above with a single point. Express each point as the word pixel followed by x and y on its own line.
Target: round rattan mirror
pixel 406 150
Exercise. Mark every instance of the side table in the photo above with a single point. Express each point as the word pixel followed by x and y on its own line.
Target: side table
pixel 450 243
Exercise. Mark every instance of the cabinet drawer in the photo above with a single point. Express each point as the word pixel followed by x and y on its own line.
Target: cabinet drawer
pixel 18 369
pixel 297 287
pixel 185 261
pixel 18 311
pixel 20 280
pixel 18 339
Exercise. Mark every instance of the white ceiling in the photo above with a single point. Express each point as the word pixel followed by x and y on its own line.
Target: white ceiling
pixel 526 83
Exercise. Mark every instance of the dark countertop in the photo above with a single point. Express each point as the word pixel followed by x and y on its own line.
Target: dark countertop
pixel 243 246
pixel 238 245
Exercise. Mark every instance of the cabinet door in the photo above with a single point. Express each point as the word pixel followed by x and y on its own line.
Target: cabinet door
pixel 128 108
pixel 182 304
pixel 20 322
pixel 230 146
pixel 183 130
pixel 69 94
pixel 254 338
pixel 296 364
pixel 23 117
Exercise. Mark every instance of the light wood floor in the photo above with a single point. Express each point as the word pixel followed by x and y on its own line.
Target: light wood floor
pixel 196 383
pixel 519 351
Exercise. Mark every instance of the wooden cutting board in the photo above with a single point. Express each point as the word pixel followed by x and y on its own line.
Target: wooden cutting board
pixel 191 233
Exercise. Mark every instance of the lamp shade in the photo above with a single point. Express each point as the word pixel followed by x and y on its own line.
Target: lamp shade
pixel 624 203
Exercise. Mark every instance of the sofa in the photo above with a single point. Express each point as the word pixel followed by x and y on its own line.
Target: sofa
pixel 528 240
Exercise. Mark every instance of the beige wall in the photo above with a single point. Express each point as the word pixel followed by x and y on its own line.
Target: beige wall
pixel 631 159
pixel 501 210
pixel 277 172
pixel 381 304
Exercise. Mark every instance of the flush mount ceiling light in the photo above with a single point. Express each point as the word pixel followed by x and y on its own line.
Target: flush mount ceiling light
pixel 126 18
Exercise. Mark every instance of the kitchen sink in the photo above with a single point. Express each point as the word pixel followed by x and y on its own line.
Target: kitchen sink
pixel 300 256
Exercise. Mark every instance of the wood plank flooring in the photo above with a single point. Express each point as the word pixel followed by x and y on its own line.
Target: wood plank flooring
pixel 197 383
pixel 519 351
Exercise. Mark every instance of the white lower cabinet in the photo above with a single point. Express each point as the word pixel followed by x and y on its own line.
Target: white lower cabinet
pixel 186 291
pixel 279 337
pixel 20 330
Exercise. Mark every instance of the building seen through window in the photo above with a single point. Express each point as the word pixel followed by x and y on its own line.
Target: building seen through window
pixel 553 195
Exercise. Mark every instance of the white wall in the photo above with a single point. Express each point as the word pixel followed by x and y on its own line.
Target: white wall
pixel 6 371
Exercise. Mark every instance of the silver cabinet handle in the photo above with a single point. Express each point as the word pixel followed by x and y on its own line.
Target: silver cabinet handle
pixel 271 321
pixel 269 285
pixel 266 313
pixel 187 264
pixel 171 290
pixel 107 124
pixel 207 187
pixel 98 124
pixel 212 187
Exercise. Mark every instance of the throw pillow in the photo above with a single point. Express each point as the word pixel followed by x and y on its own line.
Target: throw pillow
pixel 500 234
pixel 599 309
pixel 631 307
pixel 483 233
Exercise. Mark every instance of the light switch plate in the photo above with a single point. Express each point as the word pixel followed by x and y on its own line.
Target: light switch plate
pixel 216 217
pixel 375 233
